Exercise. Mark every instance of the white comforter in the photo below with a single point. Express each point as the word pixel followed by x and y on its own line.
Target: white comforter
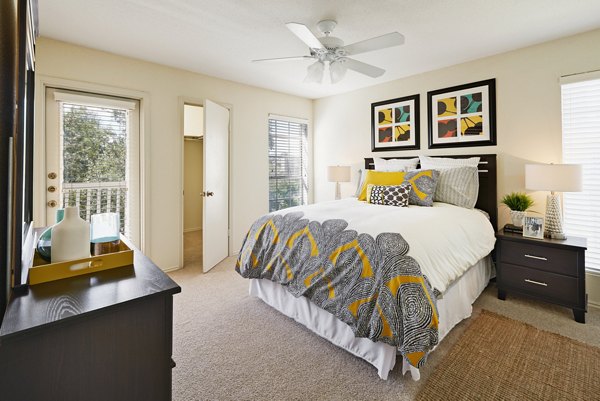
pixel 445 239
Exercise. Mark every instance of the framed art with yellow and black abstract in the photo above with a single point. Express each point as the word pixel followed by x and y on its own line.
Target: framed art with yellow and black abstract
pixel 395 124
pixel 463 115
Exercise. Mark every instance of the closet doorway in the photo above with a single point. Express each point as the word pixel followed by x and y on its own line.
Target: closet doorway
pixel 193 155
pixel 205 204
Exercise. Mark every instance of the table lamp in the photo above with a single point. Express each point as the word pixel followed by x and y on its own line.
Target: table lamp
pixel 553 178
pixel 338 174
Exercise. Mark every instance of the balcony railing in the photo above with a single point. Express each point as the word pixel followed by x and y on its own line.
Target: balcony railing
pixel 96 197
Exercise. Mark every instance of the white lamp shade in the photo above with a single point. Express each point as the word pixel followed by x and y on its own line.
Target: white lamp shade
pixel 315 72
pixel 338 173
pixel 553 177
pixel 337 70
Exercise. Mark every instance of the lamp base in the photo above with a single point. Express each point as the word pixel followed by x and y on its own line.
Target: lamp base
pixel 554 227
pixel 338 194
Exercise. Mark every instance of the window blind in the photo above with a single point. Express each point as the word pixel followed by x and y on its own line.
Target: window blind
pixel 581 145
pixel 288 162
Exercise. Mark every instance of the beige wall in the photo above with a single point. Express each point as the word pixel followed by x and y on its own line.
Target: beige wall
pixel 528 114
pixel 192 185
pixel 165 86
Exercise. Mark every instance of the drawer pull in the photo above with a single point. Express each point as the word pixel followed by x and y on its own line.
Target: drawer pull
pixel 535 257
pixel 536 282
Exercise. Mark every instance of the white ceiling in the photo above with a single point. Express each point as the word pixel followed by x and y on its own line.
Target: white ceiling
pixel 220 37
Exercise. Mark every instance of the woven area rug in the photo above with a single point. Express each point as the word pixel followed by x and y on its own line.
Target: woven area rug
pixel 498 358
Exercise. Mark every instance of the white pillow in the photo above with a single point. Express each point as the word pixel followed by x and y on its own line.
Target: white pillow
pixel 440 163
pixel 393 165
pixel 361 179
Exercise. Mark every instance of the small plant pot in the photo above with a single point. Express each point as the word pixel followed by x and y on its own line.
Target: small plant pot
pixel 517 218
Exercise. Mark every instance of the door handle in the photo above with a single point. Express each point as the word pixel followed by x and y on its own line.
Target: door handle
pixel 51 188
pixel 52 203
pixel 208 193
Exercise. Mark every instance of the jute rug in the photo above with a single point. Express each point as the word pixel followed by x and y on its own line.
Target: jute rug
pixel 498 358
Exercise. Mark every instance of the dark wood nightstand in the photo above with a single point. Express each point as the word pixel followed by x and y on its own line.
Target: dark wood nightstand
pixel 547 269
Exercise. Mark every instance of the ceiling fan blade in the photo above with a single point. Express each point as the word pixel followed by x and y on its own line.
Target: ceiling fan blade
pixel 282 59
pixel 380 42
pixel 363 68
pixel 305 35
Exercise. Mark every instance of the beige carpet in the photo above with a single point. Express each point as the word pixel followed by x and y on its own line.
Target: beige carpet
pixel 498 358
pixel 230 346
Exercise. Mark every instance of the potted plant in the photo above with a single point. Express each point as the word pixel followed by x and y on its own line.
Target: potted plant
pixel 518 203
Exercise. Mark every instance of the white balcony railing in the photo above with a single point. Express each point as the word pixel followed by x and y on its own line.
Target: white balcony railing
pixel 96 197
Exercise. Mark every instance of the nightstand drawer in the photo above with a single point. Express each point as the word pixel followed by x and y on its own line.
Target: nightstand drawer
pixel 555 287
pixel 562 261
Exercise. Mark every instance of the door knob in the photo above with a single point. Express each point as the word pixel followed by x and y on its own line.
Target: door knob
pixel 51 188
pixel 52 203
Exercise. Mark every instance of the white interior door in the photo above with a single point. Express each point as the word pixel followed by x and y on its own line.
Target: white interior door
pixel 215 221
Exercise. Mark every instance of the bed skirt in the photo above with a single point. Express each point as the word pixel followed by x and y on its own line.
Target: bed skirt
pixel 453 307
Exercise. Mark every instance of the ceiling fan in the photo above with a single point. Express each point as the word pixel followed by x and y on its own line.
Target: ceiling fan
pixel 331 50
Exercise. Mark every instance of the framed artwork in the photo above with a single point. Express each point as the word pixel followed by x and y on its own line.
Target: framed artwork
pixel 463 115
pixel 395 124
pixel 533 227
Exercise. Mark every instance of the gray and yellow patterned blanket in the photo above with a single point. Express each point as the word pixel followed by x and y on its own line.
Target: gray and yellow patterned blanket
pixel 368 283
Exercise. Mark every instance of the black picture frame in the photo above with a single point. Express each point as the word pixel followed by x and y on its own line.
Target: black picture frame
pixel 470 121
pixel 412 114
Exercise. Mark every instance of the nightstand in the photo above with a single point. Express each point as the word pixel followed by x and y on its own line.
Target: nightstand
pixel 547 269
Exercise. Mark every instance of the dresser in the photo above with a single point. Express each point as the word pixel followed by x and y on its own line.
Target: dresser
pixel 547 269
pixel 102 336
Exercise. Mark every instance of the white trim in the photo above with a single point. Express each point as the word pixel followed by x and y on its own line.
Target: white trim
pixel 289 119
pixel 42 82
pixel 579 77
pixel 171 269
pixel 80 98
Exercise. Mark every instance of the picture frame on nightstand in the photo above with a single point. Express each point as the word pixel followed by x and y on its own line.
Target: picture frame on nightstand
pixel 533 227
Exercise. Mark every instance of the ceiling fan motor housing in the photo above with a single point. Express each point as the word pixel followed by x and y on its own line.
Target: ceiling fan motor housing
pixel 333 49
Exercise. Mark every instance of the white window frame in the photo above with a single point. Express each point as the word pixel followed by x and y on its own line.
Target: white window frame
pixel 580 100
pixel 306 156
pixel 42 82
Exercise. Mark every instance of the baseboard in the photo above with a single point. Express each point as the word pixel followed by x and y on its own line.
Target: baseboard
pixel 189 230
pixel 171 269
pixel 592 279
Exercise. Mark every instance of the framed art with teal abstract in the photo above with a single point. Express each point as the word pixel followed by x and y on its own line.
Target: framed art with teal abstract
pixel 395 124
pixel 463 115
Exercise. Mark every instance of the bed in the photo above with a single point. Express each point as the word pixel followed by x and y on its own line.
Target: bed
pixel 454 271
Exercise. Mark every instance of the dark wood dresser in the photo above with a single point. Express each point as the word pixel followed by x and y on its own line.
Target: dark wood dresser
pixel 103 336
pixel 547 269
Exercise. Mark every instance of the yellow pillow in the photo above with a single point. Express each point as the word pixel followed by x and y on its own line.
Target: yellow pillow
pixel 380 178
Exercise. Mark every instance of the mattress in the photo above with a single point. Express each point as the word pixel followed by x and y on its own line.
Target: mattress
pixel 454 305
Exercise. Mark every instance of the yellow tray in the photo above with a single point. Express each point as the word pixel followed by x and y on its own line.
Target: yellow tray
pixel 42 271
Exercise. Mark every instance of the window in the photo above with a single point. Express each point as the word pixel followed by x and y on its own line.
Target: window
pixel 288 162
pixel 92 144
pixel 581 145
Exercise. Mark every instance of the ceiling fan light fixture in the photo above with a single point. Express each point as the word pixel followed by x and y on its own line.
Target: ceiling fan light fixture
pixel 337 70
pixel 315 72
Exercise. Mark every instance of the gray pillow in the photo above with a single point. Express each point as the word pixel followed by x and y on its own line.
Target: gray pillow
pixel 423 184
pixel 458 186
